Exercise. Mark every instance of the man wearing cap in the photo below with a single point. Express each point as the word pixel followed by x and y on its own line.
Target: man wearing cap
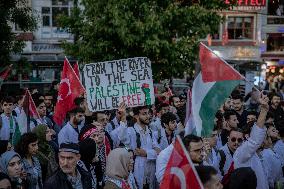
pixel 69 176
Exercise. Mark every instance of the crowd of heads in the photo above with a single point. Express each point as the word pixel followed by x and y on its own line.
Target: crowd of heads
pixel 104 146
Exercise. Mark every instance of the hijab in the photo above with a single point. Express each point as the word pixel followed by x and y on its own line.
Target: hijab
pixel 117 164
pixel 43 145
pixel 5 159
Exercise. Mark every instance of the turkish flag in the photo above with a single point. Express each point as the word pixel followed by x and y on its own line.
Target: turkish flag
pixel 76 69
pixel 180 172
pixel 70 87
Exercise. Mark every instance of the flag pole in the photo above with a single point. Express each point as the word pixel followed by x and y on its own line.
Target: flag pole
pixel 190 162
pixel 244 78
pixel 75 73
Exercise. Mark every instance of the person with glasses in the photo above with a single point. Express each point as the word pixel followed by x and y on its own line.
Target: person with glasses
pixel 225 155
pixel 11 165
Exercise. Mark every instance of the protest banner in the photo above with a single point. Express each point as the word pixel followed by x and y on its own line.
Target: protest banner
pixel 125 80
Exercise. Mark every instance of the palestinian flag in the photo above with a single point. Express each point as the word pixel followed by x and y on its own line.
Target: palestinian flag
pixel 4 73
pixel 211 87
pixel 28 113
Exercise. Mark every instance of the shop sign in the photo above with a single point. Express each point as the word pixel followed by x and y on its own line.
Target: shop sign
pixel 46 48
pixel 248 4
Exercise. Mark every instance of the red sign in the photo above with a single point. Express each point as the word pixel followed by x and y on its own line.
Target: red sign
pixel 261 3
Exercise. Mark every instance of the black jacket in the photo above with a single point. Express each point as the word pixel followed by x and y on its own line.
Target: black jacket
pixel 59 180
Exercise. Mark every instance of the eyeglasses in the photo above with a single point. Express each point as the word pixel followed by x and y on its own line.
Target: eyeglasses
pixel 240 140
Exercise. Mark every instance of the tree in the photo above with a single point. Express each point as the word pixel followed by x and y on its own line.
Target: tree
pixel 166 31
pixel 19 13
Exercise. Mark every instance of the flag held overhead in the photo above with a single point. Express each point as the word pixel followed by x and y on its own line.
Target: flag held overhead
pixel 180 172
pixel 214 68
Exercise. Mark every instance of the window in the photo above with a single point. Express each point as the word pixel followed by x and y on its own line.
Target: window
pixel 275 8
pixel 275 42
pixel 46 16
pixel 240 28
pixel 56 12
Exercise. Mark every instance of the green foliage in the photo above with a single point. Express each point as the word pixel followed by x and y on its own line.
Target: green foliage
pixel 166 31
pixel 13 11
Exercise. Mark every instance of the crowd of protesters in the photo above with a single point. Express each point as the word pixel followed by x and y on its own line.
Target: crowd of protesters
pixel 129 148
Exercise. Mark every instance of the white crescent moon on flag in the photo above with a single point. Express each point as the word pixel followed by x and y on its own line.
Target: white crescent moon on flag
pixel 65 80
pixel 180 174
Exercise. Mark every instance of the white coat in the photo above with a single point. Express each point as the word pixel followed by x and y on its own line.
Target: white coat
pixel 163 141
pixel 68 134
pixel 228 162
pixel 144 167
pixel 109 127
pixel 162 161
pixel 272 166
pixel 212 159
pixel 278 148
pixel 5 130
pixel 246 156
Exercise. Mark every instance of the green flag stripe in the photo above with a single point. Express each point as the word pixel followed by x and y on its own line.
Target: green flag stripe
pixel 212 102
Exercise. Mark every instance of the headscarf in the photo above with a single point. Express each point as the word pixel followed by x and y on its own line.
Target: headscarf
pixel 43 145
pixel 5 159
pixel 117 164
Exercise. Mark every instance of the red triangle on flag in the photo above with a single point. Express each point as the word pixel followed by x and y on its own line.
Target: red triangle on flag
pixel 70 88
pixel 180 171
pixel 214 68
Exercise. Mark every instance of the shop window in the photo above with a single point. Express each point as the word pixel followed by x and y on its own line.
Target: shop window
pixel 275 42
pixel 240 28
pixel 275 7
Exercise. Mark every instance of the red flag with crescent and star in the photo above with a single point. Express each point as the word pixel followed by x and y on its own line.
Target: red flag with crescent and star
pixel 70 87
pixel 180 172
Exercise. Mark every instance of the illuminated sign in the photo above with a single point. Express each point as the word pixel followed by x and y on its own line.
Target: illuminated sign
pixel 259 3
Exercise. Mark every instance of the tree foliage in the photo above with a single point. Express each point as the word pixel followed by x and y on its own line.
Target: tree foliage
pixel 18 12
pixel 166 31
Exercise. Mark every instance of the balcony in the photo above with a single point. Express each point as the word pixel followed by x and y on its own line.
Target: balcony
pixel 275 20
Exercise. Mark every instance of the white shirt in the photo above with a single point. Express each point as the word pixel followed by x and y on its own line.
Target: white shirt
pixel 109 127
pixel 68 134
pixel 144 167
pixel 246 156
pixel 162 161
pixel 278 148
pixel 272 166
pixel 5 130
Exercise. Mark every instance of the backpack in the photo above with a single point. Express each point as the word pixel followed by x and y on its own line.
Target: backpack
pixel 222 161
pixel 138 138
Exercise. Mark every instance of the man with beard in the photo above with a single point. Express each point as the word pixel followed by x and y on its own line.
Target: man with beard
pixel 193 144
pixel 141 140
pixel 69 133
pixel 238 106
pixel 275 107
pixel 231 121
pixel 48 101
